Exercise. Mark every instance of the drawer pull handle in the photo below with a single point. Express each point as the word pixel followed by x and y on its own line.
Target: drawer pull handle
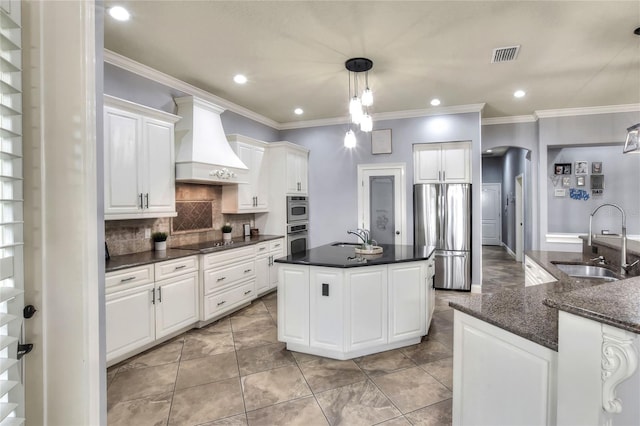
pixel 221 279
pixel 277 245
pixel 180 267
pixel 528 266
pixel 124 280
pixel 247 270
pixel 262 248
pixel 222 303
pixel 247 292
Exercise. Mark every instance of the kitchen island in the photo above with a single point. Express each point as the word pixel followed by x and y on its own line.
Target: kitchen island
pixel 517 357
pixel 335 303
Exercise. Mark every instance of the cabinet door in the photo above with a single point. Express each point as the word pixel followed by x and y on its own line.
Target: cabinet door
pixel 176 303
pixel 365 307
pixel 293 304
pixel 303 173
pixel 121 157
pixel 426 167
pixel 130 320
pixel 431 292
pixel 246 191
pixel 158 166
pixel 407 301
pixel 293 172
pixel 326 309
pixel 263 269
pixel 261 176
pixel 277 250
pixel 456 162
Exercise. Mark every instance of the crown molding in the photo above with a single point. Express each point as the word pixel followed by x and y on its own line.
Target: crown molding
pixel 167 80
pixel 569 112
pixel 395 115
pixel 509 120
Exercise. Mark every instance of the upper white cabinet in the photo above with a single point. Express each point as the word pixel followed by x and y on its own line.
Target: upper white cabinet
pixel 253 196
pixel 296 169
pixel 442 162
pixel 138 161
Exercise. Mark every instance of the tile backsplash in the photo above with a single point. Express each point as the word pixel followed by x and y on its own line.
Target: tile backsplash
pixel 194 203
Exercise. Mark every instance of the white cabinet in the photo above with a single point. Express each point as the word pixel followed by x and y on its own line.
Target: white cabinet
pixel 253 196
pixel 442 162
pixel 326 311
pixel 139 161
pixel 431 291
pixel 147 303
pixel 534 274
pixel 297 175
pixel 407 310
pixel 366 307
pixel 500 378
pixel 228 280
pixel 293 304
pixel 266 268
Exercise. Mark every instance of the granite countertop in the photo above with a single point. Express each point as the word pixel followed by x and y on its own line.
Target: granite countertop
pixel 523 311
pixel 345 257
pixel 143 258
pixel 615 242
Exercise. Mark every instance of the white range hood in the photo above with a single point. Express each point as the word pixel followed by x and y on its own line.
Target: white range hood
pixel 203 154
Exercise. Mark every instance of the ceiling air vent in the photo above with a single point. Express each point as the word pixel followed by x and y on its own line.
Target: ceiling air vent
pixel 505 54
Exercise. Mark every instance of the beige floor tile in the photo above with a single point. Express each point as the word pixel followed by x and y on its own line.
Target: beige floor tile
pixel 303 411
pixel 442 370
pixel 252 337
pixel 427 351
pixel 411 389
pixel 302 358
pixel 434 415
pixel 384 362
pixel 239 420
pixel 142 382
pixel 398 421
pixel 251 322
pixel 206 403
pixel 254 360
pixel 359 403
pixel 152 411
pixel 165 353
pixel 200 343
pixel 325 373
pixel 255 308
pixel 111 374
pixel 208 369
pixel 273 386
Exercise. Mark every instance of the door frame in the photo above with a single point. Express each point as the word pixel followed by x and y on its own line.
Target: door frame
pixel 519 222
pixel 400 191
pixel 499 185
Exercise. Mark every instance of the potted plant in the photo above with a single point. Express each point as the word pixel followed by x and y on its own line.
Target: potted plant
pixel 160 240
pixel 226 232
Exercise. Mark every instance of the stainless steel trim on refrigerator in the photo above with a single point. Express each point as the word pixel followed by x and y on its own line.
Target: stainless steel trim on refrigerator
pixel 442 218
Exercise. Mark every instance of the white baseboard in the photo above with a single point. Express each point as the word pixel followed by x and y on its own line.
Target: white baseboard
pixel 509 251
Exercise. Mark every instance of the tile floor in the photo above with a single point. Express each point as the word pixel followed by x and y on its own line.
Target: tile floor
pixel 234 372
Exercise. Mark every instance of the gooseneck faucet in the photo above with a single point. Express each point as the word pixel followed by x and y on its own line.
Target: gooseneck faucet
pixel 624 267
pixel 363 234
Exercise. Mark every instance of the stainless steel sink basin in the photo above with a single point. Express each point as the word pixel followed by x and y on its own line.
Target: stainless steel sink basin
pixel 587 271
pixel 346 245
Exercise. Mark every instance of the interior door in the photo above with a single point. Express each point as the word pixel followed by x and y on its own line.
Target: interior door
pixel 382 202
pixel 491 215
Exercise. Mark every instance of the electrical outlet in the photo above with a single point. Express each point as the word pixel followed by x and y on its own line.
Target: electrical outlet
pixel 147 232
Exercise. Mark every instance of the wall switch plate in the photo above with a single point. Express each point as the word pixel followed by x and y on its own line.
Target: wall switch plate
pixel 147 232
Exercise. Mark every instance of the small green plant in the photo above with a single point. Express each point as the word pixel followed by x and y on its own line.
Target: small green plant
pixel 159 237
pixel 226 229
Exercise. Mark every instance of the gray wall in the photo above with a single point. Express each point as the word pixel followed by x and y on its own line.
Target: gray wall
pixel 333 171
pixel 514 163
pixel 492 169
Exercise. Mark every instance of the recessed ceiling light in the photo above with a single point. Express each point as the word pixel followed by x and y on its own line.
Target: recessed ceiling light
pixel 298 111
pixel 489 151
pixel 435 102
pixel 119 13
pixel 240 79
pixel 519 93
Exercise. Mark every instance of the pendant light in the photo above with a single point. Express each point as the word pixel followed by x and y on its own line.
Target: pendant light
pixel 358 105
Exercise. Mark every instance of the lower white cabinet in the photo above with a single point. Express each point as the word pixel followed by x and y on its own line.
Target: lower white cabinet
pixel 266 268
pixel 148 303
pixel 343 313
pixel 500 378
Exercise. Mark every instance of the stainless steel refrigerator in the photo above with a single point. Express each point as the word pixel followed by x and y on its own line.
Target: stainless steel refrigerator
pixel 442 218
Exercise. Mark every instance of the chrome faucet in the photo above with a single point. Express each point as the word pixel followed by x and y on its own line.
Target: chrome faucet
pixel 624 266
pixel 363 234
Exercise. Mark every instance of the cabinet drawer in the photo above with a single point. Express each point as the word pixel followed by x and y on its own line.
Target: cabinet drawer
pixel 128 278
pixel 276 245
pixel 213 260
pixel 173 268
pixel 262 249
pixel 218 303
pixel 218 278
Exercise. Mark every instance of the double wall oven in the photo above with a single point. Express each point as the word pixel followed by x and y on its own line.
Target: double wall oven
pixel 297 224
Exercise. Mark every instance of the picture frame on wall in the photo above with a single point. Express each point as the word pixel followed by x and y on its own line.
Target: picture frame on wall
pixel 381 141
pixel 582 168
pixel 596 167
pixel 562 168
pixel 580 180
pixel 566 181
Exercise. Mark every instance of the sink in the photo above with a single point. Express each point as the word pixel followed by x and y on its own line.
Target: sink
pixel 587 271
pixel 346 245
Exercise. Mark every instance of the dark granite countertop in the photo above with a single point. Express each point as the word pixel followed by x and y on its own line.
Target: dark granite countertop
pixel 522 311
pixel 615 242
pixel 136 259
pixel 345 257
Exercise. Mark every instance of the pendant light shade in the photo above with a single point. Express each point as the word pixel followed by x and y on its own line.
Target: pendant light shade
pixel 367 97
pixel 359 106
pixel 632 144
pixel 366 124
pixel 350 139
